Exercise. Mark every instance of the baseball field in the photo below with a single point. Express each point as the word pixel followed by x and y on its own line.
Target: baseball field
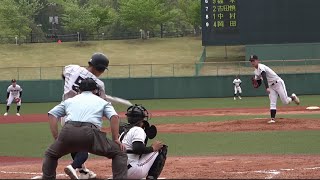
pixel 207 138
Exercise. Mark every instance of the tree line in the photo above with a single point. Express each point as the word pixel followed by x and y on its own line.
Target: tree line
pixel 25 18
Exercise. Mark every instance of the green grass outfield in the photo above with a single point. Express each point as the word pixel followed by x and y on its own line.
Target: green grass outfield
pixel 156 50
pixel 31 139
pixel 128 58
pixel 174 104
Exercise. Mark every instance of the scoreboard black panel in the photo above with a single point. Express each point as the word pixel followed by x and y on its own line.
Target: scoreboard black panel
pixel 260 21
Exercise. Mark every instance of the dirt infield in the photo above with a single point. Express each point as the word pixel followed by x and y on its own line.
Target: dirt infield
pixel 173 113
pixel 235 166
pixel 229 167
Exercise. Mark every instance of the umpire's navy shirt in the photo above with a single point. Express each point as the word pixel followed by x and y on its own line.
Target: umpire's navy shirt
pixel 85 107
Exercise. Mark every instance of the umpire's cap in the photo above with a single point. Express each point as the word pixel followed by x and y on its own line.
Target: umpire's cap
pixel 136 114
pixel 253 57
pixel 99 61
pixel 88 85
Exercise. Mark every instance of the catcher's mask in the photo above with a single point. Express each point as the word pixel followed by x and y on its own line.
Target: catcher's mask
pixel 136 114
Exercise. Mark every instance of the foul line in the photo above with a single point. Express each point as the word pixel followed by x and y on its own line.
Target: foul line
pixel 39 175
pixel 272 173
pixel 27 173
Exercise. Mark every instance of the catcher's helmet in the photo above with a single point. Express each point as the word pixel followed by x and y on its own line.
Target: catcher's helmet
pixel 136 114
pixel 99 61
pixel 88 85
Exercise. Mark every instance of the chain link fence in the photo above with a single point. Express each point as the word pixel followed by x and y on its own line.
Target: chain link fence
pixel 72 37
pixel 169 70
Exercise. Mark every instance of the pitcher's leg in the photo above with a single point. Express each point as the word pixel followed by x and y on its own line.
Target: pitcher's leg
pixel 273 96
pixel 282 91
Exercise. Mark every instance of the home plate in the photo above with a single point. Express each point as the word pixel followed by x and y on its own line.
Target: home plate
pixel 142 178
pixel 313 108
pixel 37 177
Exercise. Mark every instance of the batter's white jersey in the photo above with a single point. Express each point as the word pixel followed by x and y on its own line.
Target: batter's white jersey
pixel 140 165
pixel 74 74
pixel 14 91
pixel 271 75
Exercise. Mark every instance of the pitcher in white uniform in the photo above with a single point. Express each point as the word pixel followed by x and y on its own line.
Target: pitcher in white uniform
pixel 274 86
pixel 237 88
pixel 143 161
pixel 14 93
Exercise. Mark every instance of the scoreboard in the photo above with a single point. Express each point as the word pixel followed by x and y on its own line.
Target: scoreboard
pixel 260 21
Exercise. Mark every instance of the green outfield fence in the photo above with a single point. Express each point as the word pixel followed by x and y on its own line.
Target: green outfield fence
pixel 169 70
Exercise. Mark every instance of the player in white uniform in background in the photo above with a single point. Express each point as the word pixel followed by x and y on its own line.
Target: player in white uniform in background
pixel 14 93
pixel 73 75
pixel 143 162
pixel 237 88
pixel 274 86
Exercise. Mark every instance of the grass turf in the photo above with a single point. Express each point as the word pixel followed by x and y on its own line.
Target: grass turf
pixel 31 140
pixel 177 104
pixel 36 137
pixel 157 50
pixel 276 142
pixel 23 62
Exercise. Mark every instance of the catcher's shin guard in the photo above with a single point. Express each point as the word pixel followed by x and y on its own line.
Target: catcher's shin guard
pixel 158 164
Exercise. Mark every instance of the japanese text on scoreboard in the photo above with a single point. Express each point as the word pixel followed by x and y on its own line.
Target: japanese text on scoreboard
pixel 223 16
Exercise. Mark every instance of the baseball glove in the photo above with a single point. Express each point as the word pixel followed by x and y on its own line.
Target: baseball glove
pixel 17 100
pixel 255 83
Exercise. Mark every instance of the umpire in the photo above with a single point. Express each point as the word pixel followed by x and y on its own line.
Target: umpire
pixel 81 131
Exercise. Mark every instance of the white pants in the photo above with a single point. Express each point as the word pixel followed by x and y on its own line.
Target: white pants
pixel 141 168
pixel 278 89
pixel 10 100
pixel 237 89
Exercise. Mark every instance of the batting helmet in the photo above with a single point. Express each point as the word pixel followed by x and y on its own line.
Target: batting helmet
pixel 88 85
pixel 99 61
pixel 136 114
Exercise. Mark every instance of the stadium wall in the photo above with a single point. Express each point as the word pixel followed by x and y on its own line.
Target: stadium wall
pixel 167 87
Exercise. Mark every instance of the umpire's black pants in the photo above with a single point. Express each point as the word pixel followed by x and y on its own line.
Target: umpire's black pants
pixel 75 137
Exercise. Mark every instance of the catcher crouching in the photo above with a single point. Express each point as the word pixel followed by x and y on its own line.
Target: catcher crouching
pixel 143 161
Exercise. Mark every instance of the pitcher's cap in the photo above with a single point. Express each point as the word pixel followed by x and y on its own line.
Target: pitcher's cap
pixel 253 57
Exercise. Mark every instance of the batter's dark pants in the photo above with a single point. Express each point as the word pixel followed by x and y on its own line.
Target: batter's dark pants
pixel 77 137
pixel 79 158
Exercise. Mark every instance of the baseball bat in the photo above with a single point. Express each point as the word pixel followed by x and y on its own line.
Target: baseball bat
pixel 113 99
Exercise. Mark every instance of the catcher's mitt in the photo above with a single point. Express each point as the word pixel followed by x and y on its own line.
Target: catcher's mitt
pixel 255 83
pixel 17 100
